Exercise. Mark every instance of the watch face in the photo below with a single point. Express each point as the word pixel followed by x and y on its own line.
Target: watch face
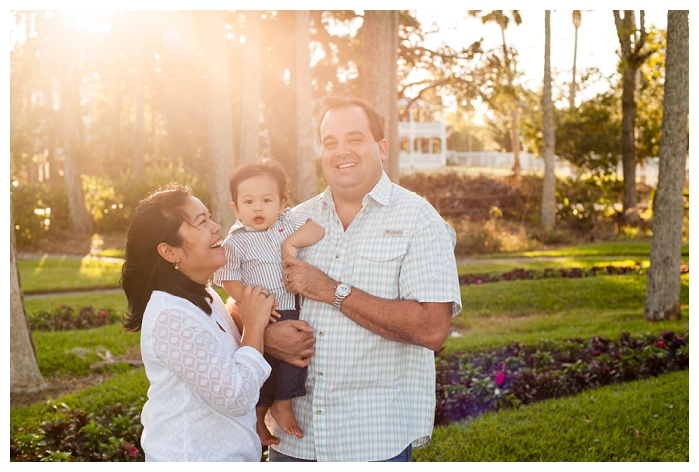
pixel 342 290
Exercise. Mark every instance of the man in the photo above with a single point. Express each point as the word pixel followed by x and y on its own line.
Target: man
pixel 379 290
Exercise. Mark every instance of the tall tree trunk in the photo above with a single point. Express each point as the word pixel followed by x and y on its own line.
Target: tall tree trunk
pixel 250 112
pixel 25 376
pixel 139 133
pixel 631 40
pixel 628 144
pixel 548 196
pixel 306 185
pixel 393 164
pixel 80 220
pixel 219 121
pixel 379 65
pixel 663 289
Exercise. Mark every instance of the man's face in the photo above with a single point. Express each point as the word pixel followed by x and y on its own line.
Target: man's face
pixel 352 160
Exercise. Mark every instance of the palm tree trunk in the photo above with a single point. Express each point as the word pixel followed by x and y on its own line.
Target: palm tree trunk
pixel 664 283
pixel 379 68
pixel 306 185
pixel 250 113
pixel 25 376
pixel 221 151
pixel 548 196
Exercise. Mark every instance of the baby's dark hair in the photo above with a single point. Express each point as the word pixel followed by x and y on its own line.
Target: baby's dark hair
pixel 267 168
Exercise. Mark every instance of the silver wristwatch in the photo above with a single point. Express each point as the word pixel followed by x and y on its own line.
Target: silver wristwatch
pixel 341 292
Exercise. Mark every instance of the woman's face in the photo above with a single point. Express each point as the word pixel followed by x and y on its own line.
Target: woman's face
pixel 201 253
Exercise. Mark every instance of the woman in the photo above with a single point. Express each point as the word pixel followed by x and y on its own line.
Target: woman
pixel 205 376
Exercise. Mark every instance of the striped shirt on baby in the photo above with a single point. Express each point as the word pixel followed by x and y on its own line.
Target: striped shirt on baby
pixel 255 257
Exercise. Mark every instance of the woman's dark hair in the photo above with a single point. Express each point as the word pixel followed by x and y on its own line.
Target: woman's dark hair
pixel 250 170
pixel 157 219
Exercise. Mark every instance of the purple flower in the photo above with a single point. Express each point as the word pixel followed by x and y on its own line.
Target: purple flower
pixel 664 333
pixel 598 352
pixel 499 378
pixel 680 339
pixel 479 281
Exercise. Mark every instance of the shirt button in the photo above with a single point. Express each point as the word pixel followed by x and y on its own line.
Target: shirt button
pixel 320 374
pixel 337 256
pixel 317 412
pixel 321 334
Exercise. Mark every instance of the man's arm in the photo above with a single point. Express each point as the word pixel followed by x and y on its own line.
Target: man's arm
pixel 308 234
pixel 424 324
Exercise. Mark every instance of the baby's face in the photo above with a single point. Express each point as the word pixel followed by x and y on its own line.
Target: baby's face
pixel 258 202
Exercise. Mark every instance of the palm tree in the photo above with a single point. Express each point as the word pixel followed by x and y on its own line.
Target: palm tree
pixel 632 54
pixel 548 196
pixel 221 151
pixel 663 288
pixel 25 376
pixel 502 20
pixel 577 18
pixel 380 42
pixel 305 186
pixel 250 112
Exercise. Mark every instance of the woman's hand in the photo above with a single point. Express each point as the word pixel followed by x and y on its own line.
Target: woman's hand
pixel 255 308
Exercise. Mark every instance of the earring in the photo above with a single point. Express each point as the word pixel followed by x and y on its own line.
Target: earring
pixel 177 265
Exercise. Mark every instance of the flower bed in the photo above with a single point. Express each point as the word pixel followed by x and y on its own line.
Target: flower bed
pixel 65 319
pixel 471 384
pixel 111 436
pixel 525 274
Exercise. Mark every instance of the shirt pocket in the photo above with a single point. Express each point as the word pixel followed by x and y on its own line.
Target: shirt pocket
pixel 377 265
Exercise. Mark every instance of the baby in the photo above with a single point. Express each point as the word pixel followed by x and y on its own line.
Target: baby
pixel 263 235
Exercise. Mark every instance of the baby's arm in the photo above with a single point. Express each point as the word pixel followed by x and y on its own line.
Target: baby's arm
pixel 307 235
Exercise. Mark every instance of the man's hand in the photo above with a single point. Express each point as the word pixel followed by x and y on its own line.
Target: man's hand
pixel 290 341
pixel 307 280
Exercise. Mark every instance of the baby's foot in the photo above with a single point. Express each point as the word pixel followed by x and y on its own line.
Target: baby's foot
pixel 284 416
pixel 266 438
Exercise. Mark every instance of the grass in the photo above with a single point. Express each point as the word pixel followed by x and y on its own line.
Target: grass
pixel 637 421
pixel 66 274
pixel 526 311
pixel 485 266
pixel 593 249
pixel 594 426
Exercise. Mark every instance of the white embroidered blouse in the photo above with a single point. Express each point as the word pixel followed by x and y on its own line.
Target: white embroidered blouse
pixel 204 386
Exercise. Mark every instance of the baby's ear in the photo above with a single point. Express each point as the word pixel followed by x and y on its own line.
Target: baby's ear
pixel 234 208
pixel 282 206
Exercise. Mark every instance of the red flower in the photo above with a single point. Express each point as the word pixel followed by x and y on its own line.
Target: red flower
pixel 131 450
pixel 499 378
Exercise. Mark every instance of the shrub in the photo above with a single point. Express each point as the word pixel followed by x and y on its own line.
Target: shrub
pixel 65 319
pixel 111 435
pixel 468 385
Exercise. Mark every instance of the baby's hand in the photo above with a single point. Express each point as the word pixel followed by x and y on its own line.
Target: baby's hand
pixel 288 251
pixel 274 315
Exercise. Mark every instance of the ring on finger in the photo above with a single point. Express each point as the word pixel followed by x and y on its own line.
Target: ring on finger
pixel 265 294
pixel 286 276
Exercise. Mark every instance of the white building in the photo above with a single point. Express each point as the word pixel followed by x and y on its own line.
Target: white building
pixel 422 135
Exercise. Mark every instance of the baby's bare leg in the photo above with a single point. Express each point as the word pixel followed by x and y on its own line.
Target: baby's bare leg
pixel 266 438
pixel 284 416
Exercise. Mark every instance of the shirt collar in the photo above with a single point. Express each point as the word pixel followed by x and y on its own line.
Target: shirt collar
pixel 381 193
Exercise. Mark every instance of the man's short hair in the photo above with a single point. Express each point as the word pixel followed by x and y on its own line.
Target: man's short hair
pixel 377 122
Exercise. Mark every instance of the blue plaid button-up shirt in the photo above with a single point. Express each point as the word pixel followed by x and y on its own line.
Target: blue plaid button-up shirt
pixel 369 397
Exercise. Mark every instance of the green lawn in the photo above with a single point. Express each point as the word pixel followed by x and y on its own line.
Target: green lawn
pixel 65 274
pixel 592 249
pixel 595 426
pixel 638 421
